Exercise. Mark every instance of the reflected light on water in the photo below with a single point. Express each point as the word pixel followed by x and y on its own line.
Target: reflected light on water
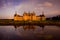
pixel 29 32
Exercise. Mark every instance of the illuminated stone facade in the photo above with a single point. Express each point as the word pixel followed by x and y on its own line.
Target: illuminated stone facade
pixel 29 17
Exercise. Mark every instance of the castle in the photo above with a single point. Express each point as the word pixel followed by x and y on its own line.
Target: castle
pixel 29 17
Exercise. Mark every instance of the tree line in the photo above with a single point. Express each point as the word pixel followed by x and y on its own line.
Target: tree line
pixel 54 18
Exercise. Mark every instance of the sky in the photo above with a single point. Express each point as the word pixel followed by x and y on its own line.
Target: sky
pixel 9 7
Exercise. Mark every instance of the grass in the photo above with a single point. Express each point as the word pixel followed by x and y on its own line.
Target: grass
pixel 11 21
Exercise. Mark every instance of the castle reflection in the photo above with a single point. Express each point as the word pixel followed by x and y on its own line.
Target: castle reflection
pixel 37 31
pixel 28 27
pixel 25 27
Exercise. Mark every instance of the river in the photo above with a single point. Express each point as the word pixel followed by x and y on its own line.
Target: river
pixel 30 32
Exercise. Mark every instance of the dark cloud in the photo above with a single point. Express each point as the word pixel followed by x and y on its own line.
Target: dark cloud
pixel 1 3
pixel 13 2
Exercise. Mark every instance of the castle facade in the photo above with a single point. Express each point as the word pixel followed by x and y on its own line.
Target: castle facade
pixel 29 17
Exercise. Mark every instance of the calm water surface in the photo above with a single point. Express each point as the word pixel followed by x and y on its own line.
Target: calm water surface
pixel 29 32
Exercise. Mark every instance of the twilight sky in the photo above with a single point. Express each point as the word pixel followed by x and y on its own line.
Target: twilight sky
pixel 8 7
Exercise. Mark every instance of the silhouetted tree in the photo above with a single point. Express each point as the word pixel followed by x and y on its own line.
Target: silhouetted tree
pixel 54 18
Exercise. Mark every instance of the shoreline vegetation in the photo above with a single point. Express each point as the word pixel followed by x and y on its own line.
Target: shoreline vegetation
pixel 12 22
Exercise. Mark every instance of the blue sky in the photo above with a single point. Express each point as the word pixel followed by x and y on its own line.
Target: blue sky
pixel 8 7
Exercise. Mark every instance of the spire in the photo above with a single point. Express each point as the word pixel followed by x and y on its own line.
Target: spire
pixel 42 12
pixel 33 12
pixel 25 12
pixel 15 12
pixel 29 13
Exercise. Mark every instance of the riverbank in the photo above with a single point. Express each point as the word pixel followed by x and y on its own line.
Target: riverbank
pixel 30 23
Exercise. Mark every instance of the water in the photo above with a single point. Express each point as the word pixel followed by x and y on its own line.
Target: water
pixel 29 32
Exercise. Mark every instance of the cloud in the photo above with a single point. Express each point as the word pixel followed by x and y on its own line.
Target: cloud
pixel 10 7
pixel 47 4
pixel 54 11
pixel 33 6
pixel 29 7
